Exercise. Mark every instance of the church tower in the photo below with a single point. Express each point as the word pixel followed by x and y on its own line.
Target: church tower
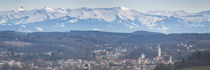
pixel 142 56
pixel 159 50
pixel 170 60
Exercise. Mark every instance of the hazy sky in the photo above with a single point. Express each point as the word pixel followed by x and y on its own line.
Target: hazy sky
pixel 139 5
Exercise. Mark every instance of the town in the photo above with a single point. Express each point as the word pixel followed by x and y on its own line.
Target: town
pixel 104 59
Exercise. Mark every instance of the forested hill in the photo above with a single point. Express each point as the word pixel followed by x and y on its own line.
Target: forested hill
pixel 197 59
pixel 81 43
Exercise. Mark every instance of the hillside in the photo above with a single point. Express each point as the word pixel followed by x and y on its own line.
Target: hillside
pixel 199 60
pixel 81 43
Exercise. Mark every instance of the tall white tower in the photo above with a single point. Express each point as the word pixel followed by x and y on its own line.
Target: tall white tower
pixel 143 56
pixel 159 50
pixel 170 60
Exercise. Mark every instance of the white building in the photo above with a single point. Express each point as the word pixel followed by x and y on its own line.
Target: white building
pixel 170 60
pixel 159 50
pixel 12 62
pixel 142 56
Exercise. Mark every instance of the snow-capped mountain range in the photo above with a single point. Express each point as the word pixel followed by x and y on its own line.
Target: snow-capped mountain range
pixel 116 19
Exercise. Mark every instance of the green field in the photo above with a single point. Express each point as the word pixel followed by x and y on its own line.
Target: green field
pixel 198 68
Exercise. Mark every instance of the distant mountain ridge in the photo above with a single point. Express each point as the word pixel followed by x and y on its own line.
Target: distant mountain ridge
pixel 116 19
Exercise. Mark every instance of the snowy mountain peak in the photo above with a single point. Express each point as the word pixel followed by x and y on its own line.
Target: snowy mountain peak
pixel 49 9
pixel 61 10
pixel 20 9
pixel 106 19
pixel 124 8
pixel 83 9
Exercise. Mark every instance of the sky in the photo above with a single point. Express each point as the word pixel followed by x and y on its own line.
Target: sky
pixel 139 5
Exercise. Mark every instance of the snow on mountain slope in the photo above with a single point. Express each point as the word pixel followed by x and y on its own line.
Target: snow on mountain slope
pixel 118 19
pixel 19 9
pixel 187 17
pixel 168 13
pixel 107 14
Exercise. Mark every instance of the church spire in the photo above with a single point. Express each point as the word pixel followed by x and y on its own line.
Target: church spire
pixel 159 50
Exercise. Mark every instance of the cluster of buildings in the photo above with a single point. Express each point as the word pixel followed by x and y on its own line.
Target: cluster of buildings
pixel 10 63
pixel 105 59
